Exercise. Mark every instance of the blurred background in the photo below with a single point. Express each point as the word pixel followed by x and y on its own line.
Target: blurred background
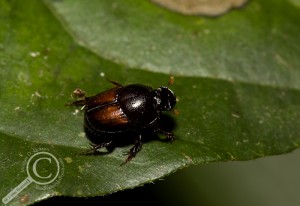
pixel 269 181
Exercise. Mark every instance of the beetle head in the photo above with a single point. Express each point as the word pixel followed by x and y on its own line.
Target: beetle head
pixel 164 99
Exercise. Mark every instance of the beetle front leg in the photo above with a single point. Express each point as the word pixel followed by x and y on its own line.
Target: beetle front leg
pixel 134 150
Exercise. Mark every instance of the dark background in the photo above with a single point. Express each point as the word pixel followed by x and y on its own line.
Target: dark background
pixel 273 181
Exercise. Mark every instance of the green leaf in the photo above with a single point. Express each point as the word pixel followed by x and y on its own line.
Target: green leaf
pixel 236 79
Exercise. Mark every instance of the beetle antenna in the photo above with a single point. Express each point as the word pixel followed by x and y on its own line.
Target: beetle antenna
pixel 175 111
pixel 114 82
pixel 171 81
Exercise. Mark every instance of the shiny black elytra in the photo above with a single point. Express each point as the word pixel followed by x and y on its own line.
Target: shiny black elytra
pixel 132 109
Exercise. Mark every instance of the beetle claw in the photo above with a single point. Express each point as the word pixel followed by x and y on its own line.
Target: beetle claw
pixel 129 155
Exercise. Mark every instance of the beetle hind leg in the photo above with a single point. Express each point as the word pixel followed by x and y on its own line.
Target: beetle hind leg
pixel 117 84
pixel 77 103
pixel 95 147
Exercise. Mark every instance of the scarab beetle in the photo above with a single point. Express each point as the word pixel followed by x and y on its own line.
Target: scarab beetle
pixel 124 110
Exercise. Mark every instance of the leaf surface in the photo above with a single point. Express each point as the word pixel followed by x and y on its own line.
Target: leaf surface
pixel 236 80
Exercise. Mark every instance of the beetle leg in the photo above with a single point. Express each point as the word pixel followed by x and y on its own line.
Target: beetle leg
pixel 169 135
pixel 77 103
pixel 134 150
pixel 95 147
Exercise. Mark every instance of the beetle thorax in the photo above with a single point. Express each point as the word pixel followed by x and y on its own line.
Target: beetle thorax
pixel 137 103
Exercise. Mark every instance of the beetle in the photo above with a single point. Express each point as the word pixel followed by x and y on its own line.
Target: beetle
pixel 124 110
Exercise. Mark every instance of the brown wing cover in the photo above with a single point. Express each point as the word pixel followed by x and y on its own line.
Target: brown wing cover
pixel 104 112
pixel 107 116
pixel 104 98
